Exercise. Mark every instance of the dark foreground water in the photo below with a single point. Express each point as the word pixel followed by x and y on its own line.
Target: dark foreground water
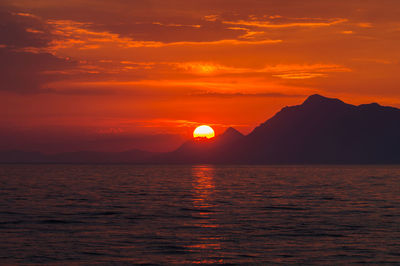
pixel 84 214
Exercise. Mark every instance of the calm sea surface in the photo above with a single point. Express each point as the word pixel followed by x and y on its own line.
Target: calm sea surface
pixel 84 214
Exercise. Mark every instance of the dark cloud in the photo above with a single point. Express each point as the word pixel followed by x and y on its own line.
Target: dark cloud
pixel 23 57
pixel 176 30
pixel 25 72
pixel 20 30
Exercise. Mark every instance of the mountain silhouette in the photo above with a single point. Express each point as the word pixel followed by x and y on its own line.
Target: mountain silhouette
pixel 201 150
pixel 324 130
pixel 321 130
pixel 130 156
pixel 230 135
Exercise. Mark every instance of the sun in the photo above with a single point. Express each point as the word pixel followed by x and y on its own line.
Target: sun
pixel 203 131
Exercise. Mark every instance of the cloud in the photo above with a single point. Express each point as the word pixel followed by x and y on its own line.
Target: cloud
pixel 302 23
pixel 300 75
pixel 23 72
pixel 285 71
pixel 364 25
pixel 211 18
pixel 183 43
pixel 209 68
pixel 72 34
pixel 178 79
pixel 182 123
pixel 237 38
pixel 176 25
pixel 347 32
pixel 242 94
pixel 23 52
pixel 20 30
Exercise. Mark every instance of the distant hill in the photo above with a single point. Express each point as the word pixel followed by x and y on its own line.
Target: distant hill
pixel 131 156
pixel 319 131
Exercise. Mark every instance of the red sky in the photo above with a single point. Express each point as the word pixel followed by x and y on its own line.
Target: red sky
pixel 116 75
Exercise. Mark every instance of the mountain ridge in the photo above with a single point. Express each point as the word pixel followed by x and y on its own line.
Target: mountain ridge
pixel 321 130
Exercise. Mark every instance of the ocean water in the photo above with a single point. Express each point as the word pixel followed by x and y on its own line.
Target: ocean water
pixel 124 214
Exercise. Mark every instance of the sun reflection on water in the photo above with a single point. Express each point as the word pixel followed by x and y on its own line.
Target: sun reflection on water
pixel 204 212
pixel 203 185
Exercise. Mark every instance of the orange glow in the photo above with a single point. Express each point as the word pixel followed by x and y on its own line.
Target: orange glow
pixel 203 132
pixel 124 73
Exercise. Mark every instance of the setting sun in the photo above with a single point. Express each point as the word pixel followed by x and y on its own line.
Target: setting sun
pixel 203 132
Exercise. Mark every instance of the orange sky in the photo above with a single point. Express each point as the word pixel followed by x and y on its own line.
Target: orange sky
pixel 115 75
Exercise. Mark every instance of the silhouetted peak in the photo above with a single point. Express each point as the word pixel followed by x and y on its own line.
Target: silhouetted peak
pixel 230 131
pixel 370 106
pixel 229 135
pixel 317 99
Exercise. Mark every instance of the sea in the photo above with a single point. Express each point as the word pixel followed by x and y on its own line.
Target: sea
pixel 199 214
